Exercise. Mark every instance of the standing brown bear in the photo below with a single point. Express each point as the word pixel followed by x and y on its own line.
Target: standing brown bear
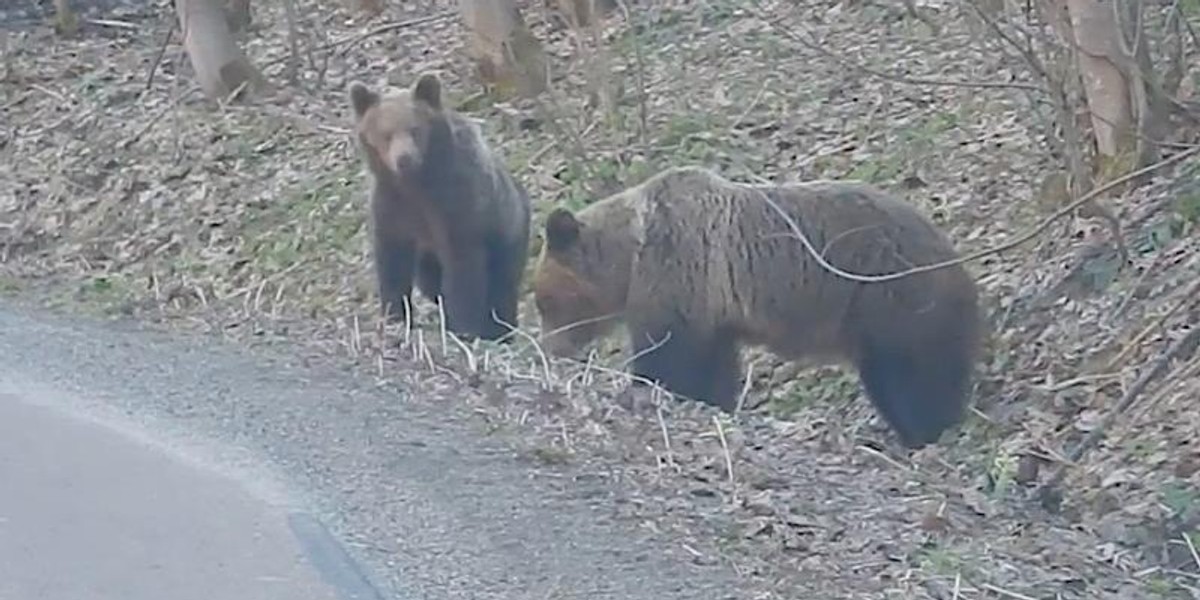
pixel 696 266
pixel 444 209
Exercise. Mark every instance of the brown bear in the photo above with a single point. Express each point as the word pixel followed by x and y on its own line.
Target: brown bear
pixel 444 209
pixel 696 266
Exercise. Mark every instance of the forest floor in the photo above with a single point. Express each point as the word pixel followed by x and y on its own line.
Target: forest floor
pixel 123 193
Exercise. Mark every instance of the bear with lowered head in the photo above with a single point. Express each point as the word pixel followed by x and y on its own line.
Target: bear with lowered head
pixel 444 209
pixel 696 266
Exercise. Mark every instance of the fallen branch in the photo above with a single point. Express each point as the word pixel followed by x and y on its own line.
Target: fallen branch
pixel 1180 347
pixel 162 50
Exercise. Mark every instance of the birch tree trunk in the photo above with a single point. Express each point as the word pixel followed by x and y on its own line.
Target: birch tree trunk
pixel 220 65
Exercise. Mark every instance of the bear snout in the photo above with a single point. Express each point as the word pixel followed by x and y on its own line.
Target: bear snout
pixel 403 156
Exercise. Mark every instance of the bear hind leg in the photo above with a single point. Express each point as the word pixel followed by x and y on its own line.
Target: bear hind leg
pixel 464 292
pixel 506 267
pixel 429 275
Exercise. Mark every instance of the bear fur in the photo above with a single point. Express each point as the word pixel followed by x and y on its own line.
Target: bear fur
pixel 444 209
pixel 697 266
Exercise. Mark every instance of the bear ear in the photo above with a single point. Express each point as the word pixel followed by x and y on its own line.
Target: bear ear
pixel 562 229
pixel 362 98
pixel 428 89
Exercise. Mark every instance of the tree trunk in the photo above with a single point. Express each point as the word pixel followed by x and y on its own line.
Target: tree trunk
pixel 1115 77
pixel 505 52
pixel 66 22
pixel 221 66
pixel 237 15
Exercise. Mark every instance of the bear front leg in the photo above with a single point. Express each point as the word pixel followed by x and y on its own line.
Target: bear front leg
pixel 395 261
pixel 464 293
pixel 723 363
pixel 703 367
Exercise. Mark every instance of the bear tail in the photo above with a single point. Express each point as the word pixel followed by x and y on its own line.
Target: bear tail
pixel 920 384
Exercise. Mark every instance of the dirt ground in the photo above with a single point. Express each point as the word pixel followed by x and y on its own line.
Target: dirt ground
pixel 122 192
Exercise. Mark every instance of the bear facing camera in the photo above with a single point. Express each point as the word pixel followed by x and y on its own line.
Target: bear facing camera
pixel 695 266
pixel 445 212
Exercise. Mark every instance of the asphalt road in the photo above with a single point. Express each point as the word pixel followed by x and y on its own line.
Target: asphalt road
pixel 135 463
pixel 87 512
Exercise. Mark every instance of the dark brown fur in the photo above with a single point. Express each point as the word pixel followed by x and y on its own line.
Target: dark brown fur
pixel 696 266
pixel 444 209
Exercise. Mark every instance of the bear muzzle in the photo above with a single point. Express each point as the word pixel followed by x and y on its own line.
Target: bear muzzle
pixel 403 157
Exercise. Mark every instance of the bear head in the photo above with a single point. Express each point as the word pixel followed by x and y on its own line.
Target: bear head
pixel 581 281
pixel 397 132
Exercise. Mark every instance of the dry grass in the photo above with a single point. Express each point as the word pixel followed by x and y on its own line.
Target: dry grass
pixel 130 197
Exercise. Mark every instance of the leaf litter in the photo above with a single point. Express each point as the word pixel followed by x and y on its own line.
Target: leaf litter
pixel 130 196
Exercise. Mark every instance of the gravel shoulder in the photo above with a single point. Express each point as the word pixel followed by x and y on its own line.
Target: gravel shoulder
pixel 415 494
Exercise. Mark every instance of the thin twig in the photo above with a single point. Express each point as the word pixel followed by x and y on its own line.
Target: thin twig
pixel 762 89
pixel 1005 593
pixel 162 50
pixel 545 360
pixel 1187 539
pixel 1185 373
pixel 725 451
pixel 778 25
pixel 745 388
pixel 472 362
pixel 1137 285
pixel 112 23
pixel 170 104
pixel 442 324
pixel 1020 239
pixel 385 28
pixel 19 99
pixel 662 426
pixel 1184 301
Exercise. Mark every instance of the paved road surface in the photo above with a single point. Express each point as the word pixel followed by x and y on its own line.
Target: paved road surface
pixel 134 463
pixel 89 513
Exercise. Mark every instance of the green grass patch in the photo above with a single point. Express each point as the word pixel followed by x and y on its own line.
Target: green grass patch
pixel 1162 587
pixel 816 387
pixel 945 562
pixel 1181 499
pixel 321 220
pixel 105 294
pixel 9 286
pixel 878 170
